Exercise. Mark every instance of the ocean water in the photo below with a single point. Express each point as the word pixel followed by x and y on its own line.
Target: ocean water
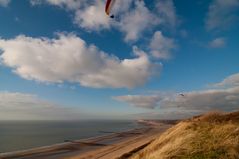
pixel 20 135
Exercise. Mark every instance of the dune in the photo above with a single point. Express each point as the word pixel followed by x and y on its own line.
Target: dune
pixel 213 135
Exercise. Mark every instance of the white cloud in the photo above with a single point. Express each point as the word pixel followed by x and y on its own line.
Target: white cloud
pixel 230 81
pixel 167 12
pixel 161 46
pixel 68 4
pixel 133 18
pixel 89 15
pixel 21 106
pixel 92 17
pixel 137 20
pixel 122 6
pixel 225 99
pixel 218 43
pixel 4 3
pixel 201 101
pixel 69 58
pixel 140 100
pixel 222 99
pixel 221 14
pixel 131 21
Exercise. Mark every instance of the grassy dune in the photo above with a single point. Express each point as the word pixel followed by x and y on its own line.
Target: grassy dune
pixel 211 136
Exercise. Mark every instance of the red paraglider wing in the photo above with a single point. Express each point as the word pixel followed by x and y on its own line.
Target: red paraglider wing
pixel 108 6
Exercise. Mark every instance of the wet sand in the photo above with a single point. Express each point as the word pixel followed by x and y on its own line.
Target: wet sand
pixel 115 145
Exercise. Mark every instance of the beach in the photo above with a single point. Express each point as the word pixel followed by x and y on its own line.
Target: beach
pixel 109 146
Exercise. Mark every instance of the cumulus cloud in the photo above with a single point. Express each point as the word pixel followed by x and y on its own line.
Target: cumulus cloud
pixel 225 98
pixel 222 99
pixel 92 17
pixel 140 100
pixel 68 4
pixel 4 3
pixel 15 106
pixel 69 58
pixel 161 46
pixel 89 14
pixel 218 43
pixel 140 19
pixel 231 81
pixel 221 14
pixel 135 21
pixel 167 12
pixel 217 99
pixel 133 18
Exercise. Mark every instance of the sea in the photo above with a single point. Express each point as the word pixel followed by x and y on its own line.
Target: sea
pixel 21 135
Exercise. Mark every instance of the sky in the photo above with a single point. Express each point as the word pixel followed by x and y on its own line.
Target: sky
pixel 67 60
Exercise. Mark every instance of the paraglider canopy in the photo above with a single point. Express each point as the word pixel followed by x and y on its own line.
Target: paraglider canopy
pixel 108 7
pixel 181 94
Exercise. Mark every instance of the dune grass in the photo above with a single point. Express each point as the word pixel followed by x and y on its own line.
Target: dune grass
pixel 211 136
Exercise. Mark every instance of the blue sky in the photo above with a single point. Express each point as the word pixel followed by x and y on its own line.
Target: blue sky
pixel 67 60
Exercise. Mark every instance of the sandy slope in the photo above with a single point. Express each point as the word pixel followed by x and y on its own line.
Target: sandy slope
pixel 210 136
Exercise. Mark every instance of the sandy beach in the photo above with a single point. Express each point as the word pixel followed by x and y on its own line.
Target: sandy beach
pixel 113 145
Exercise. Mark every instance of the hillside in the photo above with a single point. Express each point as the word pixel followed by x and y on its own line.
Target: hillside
pixel 211 136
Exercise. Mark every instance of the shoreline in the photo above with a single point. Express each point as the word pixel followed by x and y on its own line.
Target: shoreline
pixel 87 146
pixel 58 145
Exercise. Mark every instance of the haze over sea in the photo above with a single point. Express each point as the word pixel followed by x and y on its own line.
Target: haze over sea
pixel 19 135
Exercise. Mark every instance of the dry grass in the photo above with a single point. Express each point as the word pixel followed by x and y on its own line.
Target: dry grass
pixel 210 136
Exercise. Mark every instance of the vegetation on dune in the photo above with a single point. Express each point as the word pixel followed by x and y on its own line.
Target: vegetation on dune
pixel 211 136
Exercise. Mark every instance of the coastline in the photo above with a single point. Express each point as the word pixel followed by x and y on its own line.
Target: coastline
pixel 124 142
